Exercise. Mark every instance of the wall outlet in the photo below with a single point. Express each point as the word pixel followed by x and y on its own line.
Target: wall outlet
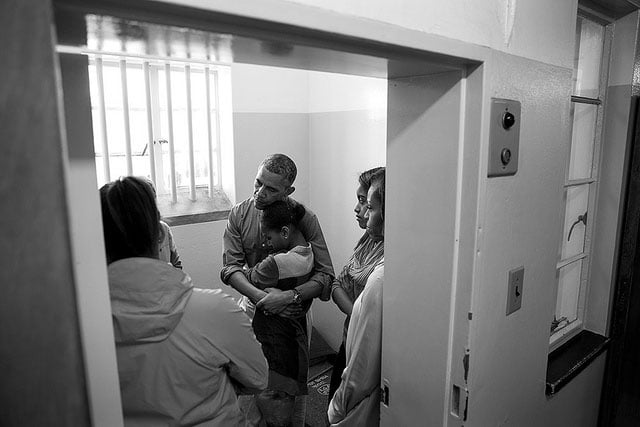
pixel 515 286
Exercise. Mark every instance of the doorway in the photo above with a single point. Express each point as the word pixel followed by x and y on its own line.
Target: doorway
pixel 434 109
pixel 620 398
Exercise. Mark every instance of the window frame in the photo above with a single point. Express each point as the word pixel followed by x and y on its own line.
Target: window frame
pixel 558 338
pixel 204 202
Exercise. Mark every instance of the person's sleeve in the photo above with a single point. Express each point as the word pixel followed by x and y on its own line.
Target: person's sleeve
pixel 247 365
pixel 173 251
pixel 361 377
pixel 341 282
pixel 323 268
pixel 233 257
pixel 264 274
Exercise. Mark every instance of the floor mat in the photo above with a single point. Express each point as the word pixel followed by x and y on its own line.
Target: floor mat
pixel 317 401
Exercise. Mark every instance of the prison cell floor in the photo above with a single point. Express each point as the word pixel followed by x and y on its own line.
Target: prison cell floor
pixel 321 358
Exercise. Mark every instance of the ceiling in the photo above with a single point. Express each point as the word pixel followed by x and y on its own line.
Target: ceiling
pixel 613 9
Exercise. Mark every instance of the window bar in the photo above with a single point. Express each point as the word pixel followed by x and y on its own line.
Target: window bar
pixel 585 100
pixel 150 145
pixel 192 181
pixel 172 154
pixel 125 111
pixel 576 182
pixel 571 260
pixel 218 151
pixel 209 145
pixel 139 57
pixel 103 121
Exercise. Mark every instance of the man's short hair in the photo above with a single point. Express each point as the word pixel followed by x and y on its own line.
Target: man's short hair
pixel 281 165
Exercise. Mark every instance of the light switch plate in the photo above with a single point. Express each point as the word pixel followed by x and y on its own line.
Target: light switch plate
pixel 504 137
pixel 514 294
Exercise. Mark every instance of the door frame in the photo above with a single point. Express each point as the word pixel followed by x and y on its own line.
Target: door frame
pixel 626 299
pixel 336 52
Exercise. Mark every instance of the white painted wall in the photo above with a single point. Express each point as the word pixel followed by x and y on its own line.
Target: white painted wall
pixel 270 115
pixel 537 29
pixel 519 225
pixel 200 249
pixel 512 26
pixel 347 135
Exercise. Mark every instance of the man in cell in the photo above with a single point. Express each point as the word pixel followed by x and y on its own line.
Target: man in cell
pixel 245 245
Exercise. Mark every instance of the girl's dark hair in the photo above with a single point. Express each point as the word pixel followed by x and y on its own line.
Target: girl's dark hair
pixel 365 177
pixel 282 213
pixel 378 184
pixel 130 218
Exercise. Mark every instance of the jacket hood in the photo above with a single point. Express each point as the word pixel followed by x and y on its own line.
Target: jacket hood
pixel 148 298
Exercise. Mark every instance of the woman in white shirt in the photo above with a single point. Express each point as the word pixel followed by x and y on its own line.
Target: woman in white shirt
pixel 357 399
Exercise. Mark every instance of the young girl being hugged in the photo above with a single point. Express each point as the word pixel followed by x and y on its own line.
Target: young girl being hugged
pixel 284 339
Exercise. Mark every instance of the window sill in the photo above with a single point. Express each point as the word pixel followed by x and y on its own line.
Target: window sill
pixel 564 335
pixel 566 362
pixel 196 218
pixel 203 209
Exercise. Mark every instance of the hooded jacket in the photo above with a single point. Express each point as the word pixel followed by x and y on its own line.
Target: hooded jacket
pixel 182 351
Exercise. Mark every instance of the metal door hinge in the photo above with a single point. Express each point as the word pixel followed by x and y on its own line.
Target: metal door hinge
pixel 384 395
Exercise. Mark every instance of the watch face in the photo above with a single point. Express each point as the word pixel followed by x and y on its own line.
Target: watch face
pixel 297 298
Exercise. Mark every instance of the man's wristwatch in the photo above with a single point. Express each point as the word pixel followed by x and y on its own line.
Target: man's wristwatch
pixel 297 297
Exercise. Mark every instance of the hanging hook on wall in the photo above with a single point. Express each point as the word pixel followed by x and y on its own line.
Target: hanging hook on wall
pixel 581 219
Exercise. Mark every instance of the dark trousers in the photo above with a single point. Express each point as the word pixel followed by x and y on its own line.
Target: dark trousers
pixel 338 367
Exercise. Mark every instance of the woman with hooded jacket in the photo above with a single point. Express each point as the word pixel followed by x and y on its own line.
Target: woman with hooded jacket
pixel 183 353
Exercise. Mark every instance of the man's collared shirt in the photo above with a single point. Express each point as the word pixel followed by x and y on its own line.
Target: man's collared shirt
pixel 245 244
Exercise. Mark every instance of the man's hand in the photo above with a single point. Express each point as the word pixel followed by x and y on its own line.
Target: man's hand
pixel 240 283
pixel 278 302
